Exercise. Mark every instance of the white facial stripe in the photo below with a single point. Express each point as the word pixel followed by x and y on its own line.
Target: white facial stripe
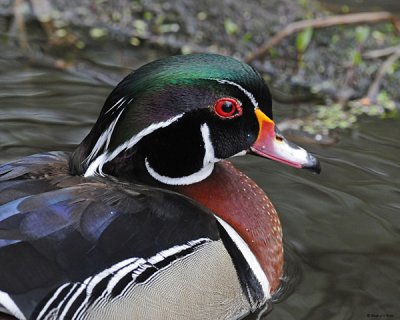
pixel 208 164
pixel 112 126
pixel 98 163
pixel 92 169
pixel 97 146
pixel 249 256
pixel 118 104
pixel 247 93
pixel 104 139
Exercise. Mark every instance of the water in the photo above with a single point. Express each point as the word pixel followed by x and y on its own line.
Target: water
pixel 341 228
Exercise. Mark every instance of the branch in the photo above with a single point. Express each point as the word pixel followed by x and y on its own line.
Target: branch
pixel 369 17
pixel 374 88
pixel 379 53
pixel 20 22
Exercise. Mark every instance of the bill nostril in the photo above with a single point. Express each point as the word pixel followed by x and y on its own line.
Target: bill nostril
pixel 279 138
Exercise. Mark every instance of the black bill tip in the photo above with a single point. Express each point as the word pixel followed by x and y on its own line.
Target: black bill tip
pixel 312 164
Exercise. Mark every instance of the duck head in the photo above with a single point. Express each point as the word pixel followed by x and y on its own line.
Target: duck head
pixel 173 119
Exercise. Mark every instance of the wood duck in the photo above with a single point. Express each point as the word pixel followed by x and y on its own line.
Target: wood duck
pixel 146 219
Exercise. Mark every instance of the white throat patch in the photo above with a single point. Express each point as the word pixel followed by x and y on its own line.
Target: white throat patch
pixel 204 172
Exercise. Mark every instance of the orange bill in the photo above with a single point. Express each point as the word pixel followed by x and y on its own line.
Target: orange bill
pixel 272 145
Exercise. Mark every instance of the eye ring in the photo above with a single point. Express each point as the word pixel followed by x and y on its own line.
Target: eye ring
pixel 227 108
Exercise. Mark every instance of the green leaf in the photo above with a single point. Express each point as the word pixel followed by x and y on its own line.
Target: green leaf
pixel 303 3
pixel 97 33
pixel 356 57
pixel 303 39
pixel 362 34
pixel 134 41
pixel 247 37
pixel 201 16
pixel 147 15
pixel 231 28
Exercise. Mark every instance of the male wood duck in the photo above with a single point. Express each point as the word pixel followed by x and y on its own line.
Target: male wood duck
pixel 145 219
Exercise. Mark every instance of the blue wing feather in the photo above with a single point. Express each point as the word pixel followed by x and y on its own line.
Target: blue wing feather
pixel 30 164
pixel 57 229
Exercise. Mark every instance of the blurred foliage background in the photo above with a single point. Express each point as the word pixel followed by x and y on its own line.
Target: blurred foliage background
pixel 334 74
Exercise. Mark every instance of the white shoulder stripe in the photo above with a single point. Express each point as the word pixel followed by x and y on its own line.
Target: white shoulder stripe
pixel 176 249
pixel 132 267
pixel 142 264
pixel 249 256
pixel 72 299
pixel 50 301
pixel 10 306
pixel 94 281
pixel 122 273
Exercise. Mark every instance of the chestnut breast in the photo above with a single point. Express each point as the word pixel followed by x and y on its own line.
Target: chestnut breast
pixel 240 202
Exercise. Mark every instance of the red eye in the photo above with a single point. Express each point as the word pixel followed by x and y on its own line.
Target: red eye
pixel 227 108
